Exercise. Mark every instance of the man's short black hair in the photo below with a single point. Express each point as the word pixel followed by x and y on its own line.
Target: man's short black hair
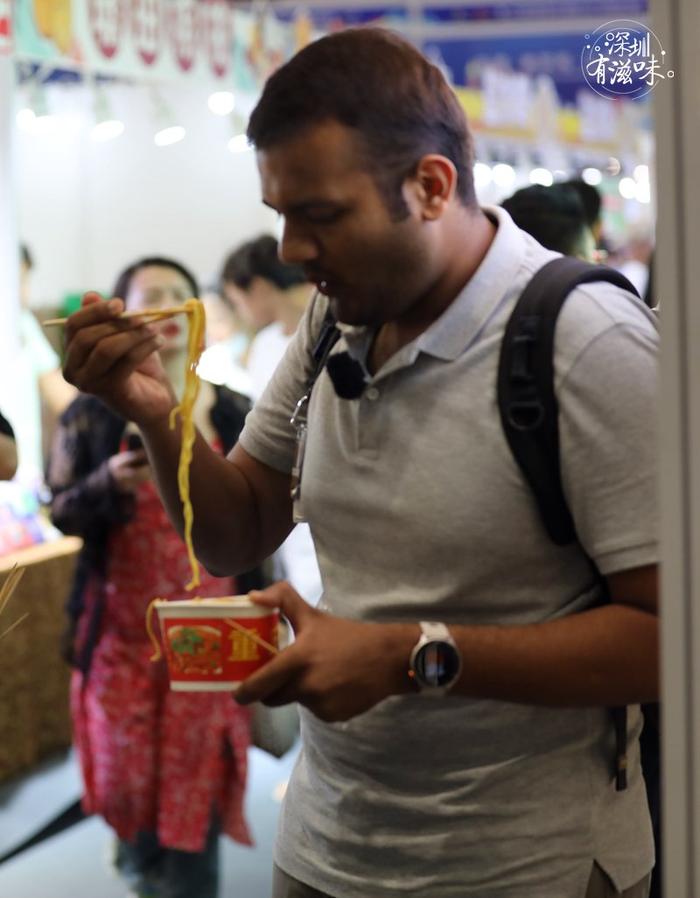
pixel 554 216
pixel 259 258
pixel 378 84
pixel 123 283
pixel 590 198
pixel 25 256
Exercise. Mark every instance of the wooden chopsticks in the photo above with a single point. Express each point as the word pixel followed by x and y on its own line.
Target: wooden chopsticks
pixel 244 631
pixel 150 314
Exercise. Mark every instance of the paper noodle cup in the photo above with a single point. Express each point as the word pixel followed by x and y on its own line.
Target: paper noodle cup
pixel 206 653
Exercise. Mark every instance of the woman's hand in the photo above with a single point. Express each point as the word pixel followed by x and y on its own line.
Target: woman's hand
pixel 129 469
pixel 116 359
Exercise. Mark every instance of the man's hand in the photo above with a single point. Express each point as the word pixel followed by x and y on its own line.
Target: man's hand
pixel 337 668
pixel 115 358
pixel 129 469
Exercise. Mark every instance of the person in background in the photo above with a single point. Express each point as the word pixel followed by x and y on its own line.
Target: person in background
pixel 39 383
pixel 286 291
pixel 249 302
pixel 166 770
pixel 281 288
pixel 248 295
pixel 226 346
pixel 635 260
pixel 555 217
pixel 8 450
pixel 592 202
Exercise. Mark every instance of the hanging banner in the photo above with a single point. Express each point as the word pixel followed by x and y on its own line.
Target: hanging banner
pixel 163 40
pixel 5 26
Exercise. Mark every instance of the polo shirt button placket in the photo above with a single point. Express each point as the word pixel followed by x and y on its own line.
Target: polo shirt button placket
pixel 369 425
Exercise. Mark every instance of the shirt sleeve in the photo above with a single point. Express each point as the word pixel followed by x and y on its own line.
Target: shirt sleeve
pixel 608 446
pixel 268 434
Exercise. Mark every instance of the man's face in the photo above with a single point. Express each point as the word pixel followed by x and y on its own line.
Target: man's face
pixel 337 226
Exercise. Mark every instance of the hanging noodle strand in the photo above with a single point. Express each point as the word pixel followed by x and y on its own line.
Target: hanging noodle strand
pixel 195 345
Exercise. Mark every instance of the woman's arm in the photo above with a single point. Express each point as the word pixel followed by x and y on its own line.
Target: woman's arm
pixel 85 493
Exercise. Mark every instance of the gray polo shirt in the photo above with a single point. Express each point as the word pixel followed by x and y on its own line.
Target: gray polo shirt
pixel 418 511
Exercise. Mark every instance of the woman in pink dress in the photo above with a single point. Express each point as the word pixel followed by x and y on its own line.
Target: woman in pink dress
pixel 166 770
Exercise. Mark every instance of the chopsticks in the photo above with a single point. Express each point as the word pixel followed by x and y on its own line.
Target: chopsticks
pixel 150 314
pixel 8 587
pixel 252 636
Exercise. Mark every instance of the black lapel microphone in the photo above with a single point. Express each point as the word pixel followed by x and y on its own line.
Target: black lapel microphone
pixel 347 375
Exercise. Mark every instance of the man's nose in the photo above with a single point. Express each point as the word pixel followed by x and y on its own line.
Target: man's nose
pixel 296 246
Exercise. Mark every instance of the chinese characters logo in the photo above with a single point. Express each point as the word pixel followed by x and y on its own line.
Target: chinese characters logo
pixel 624 59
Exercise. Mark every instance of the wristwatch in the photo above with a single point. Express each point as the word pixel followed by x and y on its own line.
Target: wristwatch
pixel 435 663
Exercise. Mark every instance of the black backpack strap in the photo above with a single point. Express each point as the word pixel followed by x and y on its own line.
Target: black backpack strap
pixel 526 397
pixel 328 336
pixel 530 414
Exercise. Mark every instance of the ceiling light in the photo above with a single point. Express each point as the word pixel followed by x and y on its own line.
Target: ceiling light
pixel 222 102
pixel 628 188
pixel 107 130
pixel 592 176
pixel 503 175
pixel 239 144
pixel 541 176
pixel 167 136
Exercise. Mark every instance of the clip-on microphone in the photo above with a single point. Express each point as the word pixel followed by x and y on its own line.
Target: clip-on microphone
pixel 347 375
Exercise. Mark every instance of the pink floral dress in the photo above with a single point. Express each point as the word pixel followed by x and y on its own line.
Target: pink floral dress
pixel 152 759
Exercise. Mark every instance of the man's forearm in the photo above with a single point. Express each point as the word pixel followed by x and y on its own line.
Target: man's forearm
pixel 226 531
pixel 603 657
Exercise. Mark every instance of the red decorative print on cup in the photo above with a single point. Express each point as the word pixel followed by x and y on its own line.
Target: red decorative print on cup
pixel 215 644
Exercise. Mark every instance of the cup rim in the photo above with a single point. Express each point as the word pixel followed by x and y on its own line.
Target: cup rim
pixel 220 606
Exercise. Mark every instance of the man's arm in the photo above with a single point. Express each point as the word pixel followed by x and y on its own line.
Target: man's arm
pixel 241 507
pixel 602 657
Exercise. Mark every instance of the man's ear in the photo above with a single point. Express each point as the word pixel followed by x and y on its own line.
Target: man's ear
pixel 433 185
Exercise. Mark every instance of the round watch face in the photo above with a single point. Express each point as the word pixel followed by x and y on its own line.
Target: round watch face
pixel 436 664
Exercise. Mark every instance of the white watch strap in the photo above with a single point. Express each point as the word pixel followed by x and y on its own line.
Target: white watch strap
pixel 435 630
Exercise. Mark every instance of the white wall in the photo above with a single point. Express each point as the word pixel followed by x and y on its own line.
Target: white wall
pixel 86 209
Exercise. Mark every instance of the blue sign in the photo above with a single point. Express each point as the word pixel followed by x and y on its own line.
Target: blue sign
pixel 536 9
pixel 324 18
pixel 558 56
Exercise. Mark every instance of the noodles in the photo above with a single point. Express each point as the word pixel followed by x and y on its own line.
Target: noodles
pixel 157 651
pixel 195 345
pixel 185 409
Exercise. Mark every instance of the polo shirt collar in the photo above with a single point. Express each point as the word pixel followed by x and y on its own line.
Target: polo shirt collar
pixel 463 320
